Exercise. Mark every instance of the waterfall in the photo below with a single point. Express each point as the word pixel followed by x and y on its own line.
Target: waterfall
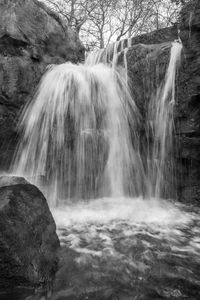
pixel 160 126
pixel 80 134
pixel 159 123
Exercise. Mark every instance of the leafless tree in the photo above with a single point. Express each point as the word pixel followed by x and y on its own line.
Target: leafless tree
pixel 99 22
pixel 74 12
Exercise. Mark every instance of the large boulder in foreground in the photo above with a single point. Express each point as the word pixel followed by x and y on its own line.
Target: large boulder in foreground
pixel 31 38
pixel 28 240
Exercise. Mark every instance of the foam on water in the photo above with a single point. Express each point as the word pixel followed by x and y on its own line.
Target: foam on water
pixel 133 211
pixel 108 228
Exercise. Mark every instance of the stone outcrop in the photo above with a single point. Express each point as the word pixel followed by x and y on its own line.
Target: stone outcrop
pixel 31 38
pixel 163 35
pixel 28 240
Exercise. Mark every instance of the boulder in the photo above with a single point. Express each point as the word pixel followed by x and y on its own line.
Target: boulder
pixel 28 240
pixel 31 38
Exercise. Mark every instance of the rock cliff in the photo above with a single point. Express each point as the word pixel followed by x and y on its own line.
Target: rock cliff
pixel 31 38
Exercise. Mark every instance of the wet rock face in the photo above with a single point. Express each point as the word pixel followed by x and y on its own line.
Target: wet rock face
pixel 28 240
pixel 146 70
pixel 187 114
pixel 31 37
pixel 147 65
pixel 147 60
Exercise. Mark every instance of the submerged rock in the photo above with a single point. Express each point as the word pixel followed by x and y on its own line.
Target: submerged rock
pixel 28 240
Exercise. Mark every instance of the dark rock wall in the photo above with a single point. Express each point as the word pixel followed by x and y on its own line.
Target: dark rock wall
pixel 146 70
pixel 147 60
pixel 187 114
pixel 31 37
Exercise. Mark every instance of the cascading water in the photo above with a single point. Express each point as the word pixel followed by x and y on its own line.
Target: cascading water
pixel 79 135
